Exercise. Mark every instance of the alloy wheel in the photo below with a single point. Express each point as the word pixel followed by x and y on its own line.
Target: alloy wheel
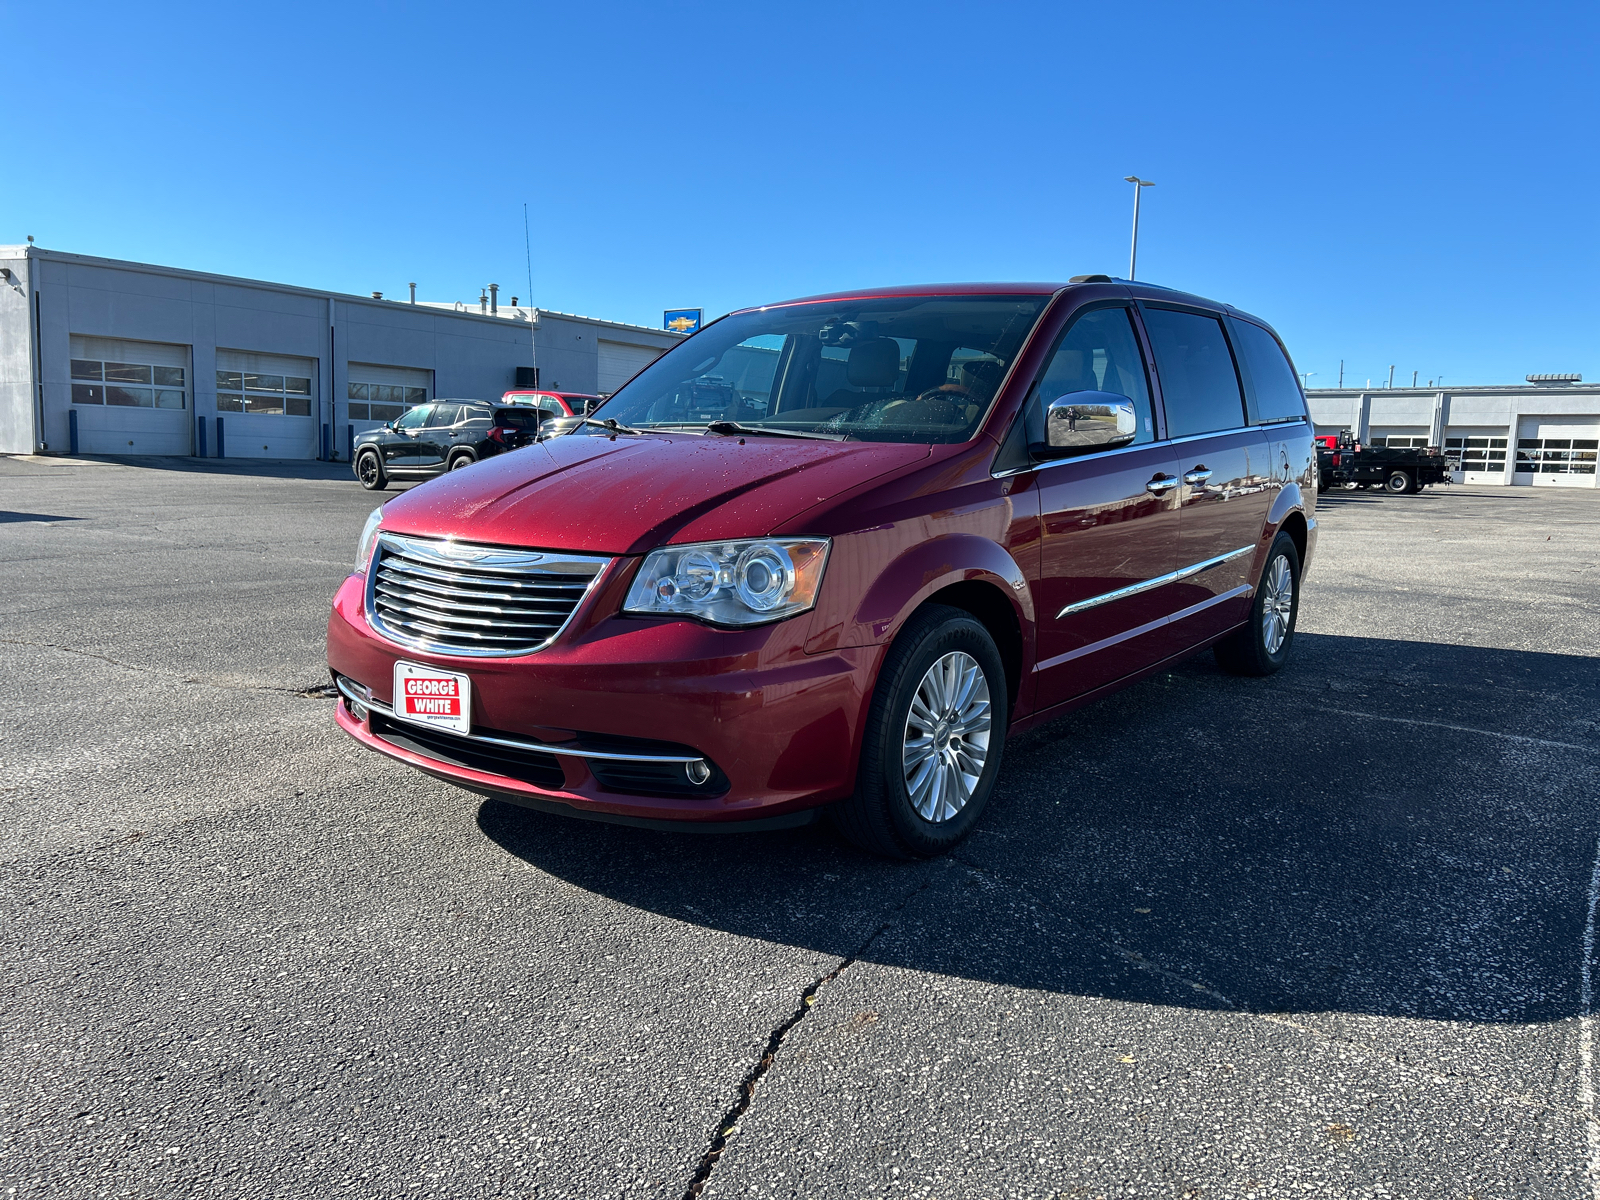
pixel 947 736
pixel 1277 604
pixel 369 469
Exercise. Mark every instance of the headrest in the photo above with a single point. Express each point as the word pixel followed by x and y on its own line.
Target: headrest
pixel 873 363
pixel 981 375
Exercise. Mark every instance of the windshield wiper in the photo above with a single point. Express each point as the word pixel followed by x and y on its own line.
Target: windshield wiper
pixel 611 425
pixel 734 429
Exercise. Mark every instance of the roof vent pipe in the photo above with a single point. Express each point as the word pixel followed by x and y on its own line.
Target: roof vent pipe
pixel 413 293
pixel 494 299
pixel 377 295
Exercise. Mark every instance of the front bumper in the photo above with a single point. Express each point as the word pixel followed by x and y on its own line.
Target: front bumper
pixel 780 727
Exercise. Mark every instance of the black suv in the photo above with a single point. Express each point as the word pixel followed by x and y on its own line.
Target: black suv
pixel 446 435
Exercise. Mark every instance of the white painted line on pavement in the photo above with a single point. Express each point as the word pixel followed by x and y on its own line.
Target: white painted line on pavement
pixel 1510 737
pixel 1586 1033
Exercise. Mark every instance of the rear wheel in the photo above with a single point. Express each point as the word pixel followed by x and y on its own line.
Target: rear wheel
pixel 1399 483
pixel 369 470
pixel 932 745
pixel 1263 644
pixel 463 458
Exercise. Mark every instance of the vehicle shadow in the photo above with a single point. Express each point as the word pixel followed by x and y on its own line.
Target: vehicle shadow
pixel 268 468
pixel 14 518
pixel 1393 828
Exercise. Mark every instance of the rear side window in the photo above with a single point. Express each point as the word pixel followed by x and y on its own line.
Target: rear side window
pixel 1199 385
pixel 1273 393
pixel 443 415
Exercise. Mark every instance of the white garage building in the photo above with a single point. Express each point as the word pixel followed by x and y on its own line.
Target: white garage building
pixel 1542 433
pixel 100 356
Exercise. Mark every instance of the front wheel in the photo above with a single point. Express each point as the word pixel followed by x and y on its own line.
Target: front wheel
pixel 1262 645
pixel 370 472
pixel 931 749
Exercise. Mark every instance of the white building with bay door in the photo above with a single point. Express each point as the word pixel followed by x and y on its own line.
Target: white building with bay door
pixel 1541 433
pixel 101 356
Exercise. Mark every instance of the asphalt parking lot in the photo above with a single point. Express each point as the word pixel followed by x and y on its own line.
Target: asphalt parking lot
pixel 1323 934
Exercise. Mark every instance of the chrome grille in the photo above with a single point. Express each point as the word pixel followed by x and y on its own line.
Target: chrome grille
pixel 482 601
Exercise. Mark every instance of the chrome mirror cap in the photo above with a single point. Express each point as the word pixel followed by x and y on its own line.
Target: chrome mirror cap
pixel 1083 422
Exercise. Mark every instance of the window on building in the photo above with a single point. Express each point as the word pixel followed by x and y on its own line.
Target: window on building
pixel 378 392
pixel 128 374
pixel 259 392
pixel 1476 453
pixel 382 401
pixel 268 385
pixel 1398 441
pixel 1557 456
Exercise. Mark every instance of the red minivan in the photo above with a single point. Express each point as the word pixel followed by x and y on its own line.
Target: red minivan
pixel 827 554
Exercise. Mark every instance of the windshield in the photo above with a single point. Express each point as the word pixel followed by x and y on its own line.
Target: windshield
pixel 897 369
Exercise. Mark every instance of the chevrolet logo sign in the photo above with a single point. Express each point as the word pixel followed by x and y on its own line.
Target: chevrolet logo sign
pixel 682 324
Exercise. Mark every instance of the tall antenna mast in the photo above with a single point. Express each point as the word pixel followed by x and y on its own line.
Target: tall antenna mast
pixel 533 320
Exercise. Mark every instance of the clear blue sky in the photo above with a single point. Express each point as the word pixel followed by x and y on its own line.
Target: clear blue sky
pixel 1387 183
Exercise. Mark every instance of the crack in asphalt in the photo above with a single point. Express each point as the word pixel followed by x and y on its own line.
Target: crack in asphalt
pixel 314 691
pixel 729 1124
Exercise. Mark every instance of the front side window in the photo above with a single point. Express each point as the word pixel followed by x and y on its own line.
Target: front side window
pixel 1274 394
pixel 1099 353
pixel 921 369
pixel 1199 386
pixel 414 418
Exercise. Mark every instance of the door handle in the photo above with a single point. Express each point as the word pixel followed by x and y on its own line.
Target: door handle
pixel 1200 474
pixel 1161 483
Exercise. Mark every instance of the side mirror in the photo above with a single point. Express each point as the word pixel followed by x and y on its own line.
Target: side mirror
pixel 1083 422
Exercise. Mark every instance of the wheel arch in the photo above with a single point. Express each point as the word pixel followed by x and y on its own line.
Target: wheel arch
pixel 965 571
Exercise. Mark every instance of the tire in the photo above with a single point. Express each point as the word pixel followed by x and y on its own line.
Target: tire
pixel 464 458
pixel 940 649
pixel 1249 650
pixel 1399 483
pixel 369 470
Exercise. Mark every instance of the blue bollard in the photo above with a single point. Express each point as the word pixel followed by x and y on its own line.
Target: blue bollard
pixel 72 431
pixel 350 441
pixel 325 447
pixel 200 428
pixel 220 454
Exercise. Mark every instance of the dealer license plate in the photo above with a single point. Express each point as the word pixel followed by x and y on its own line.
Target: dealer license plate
pixel 429 696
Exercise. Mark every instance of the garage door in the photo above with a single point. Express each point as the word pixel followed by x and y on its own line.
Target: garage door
pixel 1476 454
pixel 268 404
pixel 1399 435
pixel 130 397
pixel 620 362
pixel 1557 452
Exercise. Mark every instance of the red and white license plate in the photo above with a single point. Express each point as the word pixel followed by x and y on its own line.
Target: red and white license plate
pixel 429 696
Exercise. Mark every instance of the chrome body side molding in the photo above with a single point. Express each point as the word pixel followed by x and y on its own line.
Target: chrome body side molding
pixel 1149 585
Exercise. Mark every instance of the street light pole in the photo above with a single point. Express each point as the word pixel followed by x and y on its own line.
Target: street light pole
pixel 1133 252
pixel 1305 377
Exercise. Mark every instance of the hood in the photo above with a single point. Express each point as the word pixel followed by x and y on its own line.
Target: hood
pixel 591 494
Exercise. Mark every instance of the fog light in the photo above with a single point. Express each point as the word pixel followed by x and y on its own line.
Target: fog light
pixel 358 710
pixel 698 771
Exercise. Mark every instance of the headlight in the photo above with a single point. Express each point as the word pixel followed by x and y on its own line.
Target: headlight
pixel 369 539
pixel 730 583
